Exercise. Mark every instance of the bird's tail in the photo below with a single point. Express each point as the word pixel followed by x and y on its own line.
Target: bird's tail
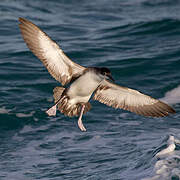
pixel 57 93
pixel 64 106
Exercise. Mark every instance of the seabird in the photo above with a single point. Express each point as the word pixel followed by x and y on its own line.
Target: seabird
pixel 85 82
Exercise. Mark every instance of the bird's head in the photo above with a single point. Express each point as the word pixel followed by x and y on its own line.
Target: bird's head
pixel 106 73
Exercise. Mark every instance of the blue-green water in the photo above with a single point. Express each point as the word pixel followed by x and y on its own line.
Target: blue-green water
pixel 139 41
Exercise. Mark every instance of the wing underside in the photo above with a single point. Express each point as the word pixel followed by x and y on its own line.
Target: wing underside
pixel 131 100
pixel 51 55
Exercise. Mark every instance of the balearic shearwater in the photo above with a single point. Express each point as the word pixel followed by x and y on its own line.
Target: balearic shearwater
pixel 85 81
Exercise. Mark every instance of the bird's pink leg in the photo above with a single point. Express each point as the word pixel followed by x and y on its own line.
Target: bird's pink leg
pixel 80 124
pixel 52 111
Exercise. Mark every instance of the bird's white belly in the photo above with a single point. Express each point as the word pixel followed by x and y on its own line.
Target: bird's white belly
pixel 82 89
pixel 79 99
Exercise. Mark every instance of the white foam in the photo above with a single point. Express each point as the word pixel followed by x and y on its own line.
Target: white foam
pixel 3 110
pixel 170 148
pixel 177 141
pixel 176 172
pixel 159 164
pixel 172 96
pixel 162 170
pixel 167 165
pixel 21 115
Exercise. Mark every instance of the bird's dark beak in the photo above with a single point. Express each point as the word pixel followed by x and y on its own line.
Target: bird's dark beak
pixel 109 76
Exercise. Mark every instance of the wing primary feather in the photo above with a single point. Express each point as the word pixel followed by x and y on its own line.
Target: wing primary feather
pixel 51 55
pixel 131 100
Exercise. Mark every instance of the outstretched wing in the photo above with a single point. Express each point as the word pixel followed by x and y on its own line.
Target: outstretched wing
pixel 131 100
pixel 54 59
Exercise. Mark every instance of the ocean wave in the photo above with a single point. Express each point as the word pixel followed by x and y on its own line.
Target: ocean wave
pixel 170 147
pixel 172 96
pixel 164 3
pixel 23 115
pixel 158 26
pixel 168 162
pixel 144 27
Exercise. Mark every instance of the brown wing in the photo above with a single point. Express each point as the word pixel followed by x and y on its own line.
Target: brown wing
pixel 57 63
pixel 131 100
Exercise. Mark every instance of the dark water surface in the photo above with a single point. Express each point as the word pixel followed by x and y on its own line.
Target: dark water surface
pixel 139 41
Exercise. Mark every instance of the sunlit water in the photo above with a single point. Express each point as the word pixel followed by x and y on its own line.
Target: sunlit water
pixel 140 42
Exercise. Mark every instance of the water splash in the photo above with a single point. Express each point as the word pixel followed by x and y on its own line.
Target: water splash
pixel 172 96
pixel 170 147
pixel 168 162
